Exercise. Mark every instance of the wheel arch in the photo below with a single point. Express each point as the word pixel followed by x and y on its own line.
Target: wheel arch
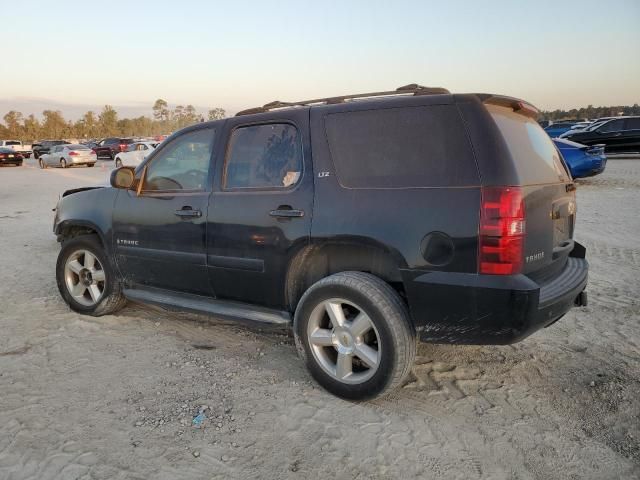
pixel 68 229
pixel 321 259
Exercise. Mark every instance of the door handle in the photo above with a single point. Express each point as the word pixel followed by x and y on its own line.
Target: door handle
pixel 188 212
pixel 285 211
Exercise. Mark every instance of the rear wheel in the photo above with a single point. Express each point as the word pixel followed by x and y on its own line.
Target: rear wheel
pixel 35 155
pixel 85 278
pixel 63 163
pixel 354 333
pixel 42 164
pixel 90 164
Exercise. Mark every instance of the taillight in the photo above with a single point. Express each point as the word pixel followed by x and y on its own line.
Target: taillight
pixel 123 147
pixel 73 153
pixel 502 227
pixel 2 155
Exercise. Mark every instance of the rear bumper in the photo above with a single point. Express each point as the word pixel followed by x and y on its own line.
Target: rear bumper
pixel 490 309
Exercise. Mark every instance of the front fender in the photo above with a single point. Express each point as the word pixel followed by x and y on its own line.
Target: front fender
pixel 91 209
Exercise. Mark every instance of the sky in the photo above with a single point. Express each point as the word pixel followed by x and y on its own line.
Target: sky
pixel 76 55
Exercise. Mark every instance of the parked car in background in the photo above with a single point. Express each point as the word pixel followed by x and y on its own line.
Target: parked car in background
pixel 582 160
pixel 110 147
pixel 591 126
pixel 44 146
pixel 316 219
pixel 619 135
pixel 8 156
pixel 557 129
pixel 68 155
pixel 17 146
pixel 135 154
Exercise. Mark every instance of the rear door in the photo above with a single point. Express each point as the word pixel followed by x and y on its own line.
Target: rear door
pixel 549 192
pixel 260 211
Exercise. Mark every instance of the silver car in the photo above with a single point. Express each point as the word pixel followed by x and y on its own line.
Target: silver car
pixel 68 155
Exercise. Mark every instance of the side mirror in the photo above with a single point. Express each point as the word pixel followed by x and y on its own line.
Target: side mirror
pixel 123 177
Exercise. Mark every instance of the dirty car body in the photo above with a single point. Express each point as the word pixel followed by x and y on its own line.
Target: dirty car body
pixel 479 250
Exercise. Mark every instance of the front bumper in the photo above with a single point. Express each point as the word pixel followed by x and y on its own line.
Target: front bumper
pixel 491 309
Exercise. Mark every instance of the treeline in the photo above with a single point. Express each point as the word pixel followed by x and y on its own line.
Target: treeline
pixel 104 124
pixel 590 112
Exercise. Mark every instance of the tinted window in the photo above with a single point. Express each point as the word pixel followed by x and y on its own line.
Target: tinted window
pixel 612 126
pixel 12 142
pixel 535 156
pixel 182 164
pixel 401 147
pixel 77 147
pixel 264 156
pixel 632 124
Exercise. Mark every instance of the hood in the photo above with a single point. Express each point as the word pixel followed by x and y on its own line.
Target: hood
pixel 81 189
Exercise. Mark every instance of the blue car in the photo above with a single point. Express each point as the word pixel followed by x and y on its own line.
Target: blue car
pixel 582 160
pixel 557 129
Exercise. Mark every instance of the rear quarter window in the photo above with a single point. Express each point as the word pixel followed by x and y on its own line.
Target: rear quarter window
pixel 409 147
pixel 536 158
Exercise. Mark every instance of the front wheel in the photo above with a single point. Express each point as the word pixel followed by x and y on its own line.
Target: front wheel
pixel 63 163
pixel 354 333
pixel 42 164
pixel 118 162
pixel 85 278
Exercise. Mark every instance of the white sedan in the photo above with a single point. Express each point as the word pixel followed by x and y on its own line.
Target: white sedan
pixel 135 154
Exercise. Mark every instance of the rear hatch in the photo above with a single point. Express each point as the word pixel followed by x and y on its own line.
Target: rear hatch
pixel 547 189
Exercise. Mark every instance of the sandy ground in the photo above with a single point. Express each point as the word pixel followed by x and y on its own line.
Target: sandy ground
pixel 114 397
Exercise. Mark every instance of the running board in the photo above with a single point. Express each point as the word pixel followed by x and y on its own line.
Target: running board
pixel 200 304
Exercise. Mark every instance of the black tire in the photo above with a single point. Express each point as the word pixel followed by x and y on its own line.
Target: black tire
pixel 36 156
pixel 63 163
pixel 20 164
pixel 42 164
pixel 112 298
pixel 91 164
pixel 390 317
pixel 118 163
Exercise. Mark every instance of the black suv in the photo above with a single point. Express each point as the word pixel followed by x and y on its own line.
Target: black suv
pixel 110 147
pixel 365 222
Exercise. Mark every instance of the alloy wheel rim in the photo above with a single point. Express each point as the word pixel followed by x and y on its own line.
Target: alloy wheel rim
pixel 84 277
pixel 344 341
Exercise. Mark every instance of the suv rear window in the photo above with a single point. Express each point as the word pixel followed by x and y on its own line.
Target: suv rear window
pixel 535 156
pixel 12 142
pixel 401 148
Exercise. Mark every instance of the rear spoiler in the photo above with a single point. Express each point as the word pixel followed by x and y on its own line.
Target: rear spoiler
pixel 518 106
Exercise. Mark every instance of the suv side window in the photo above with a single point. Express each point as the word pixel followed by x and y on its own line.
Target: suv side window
pixel 632 124
pixel 401 148
pixel 264 156
pixel 182 164
pixel 612 126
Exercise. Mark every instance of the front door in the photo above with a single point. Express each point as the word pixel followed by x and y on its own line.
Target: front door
pixel 160 231
pixel 260 210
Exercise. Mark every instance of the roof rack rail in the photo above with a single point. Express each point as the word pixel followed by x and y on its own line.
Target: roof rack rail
pixel 413 89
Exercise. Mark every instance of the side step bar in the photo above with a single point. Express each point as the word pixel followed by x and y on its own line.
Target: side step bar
pixel 199 304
